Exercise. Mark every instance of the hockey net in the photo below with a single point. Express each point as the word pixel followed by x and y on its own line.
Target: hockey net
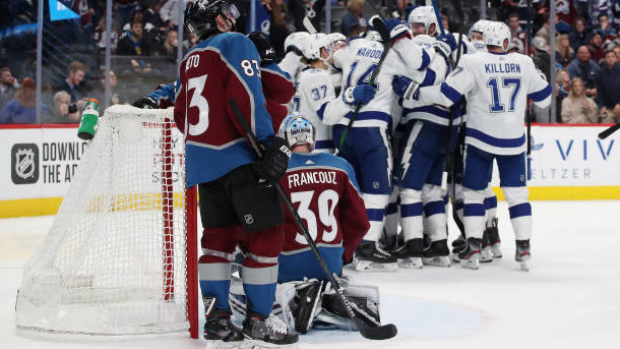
pixel 120 257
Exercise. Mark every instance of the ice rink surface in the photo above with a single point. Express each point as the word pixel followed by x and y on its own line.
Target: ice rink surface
pixel 569 299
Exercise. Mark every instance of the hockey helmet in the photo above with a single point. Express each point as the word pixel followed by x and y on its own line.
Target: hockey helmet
pixel 200 16
pixel 478 27
pixel 497 34
pixel 294 41
pixel 423 15
pixel 312 45
pixel 336 41
pixel 297 130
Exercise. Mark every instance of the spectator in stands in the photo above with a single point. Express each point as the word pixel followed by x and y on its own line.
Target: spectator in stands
pixel 8 86
pixel 605 28
pixel 64 112
pixel 22 109
pixel 578 108
pixel 541 57
pixel 170 12
pixel 584 68
pixel 608 86
pixel 278 30
pixel 353 24
pixel 545 31
pixel 516 32
pixel 99 36
pixel 74 84
pixel 597 53
pixel 134 43
pixel 115 96
pixel 564 54
pixel 578 37
pixel 122 11
pixel 617 51
pixel 562 88
pixel 169 47
pixel 151 15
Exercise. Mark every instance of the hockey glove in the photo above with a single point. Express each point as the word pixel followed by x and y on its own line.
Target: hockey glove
pixel 145 103
pixel 265 51
pixel 272 166
pixel 445 44
pixel 359 94
pixel 405 87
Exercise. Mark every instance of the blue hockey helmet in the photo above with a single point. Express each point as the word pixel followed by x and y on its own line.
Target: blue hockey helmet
pixel 200 16
pixel 297 130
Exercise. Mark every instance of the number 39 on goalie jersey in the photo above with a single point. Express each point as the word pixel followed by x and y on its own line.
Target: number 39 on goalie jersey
pixel 323 189
pixel 497 86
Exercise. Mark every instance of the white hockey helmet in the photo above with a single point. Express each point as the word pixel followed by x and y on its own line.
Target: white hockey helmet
pixel 297 130
pixel 424 40
pixel 373 35
pixel 478 27
pixel 336 39
pixel 424 15
pixel 294 41
pixel 312 45
pixel 496 34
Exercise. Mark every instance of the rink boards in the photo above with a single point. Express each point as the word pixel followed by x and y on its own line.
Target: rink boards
pixel 567 163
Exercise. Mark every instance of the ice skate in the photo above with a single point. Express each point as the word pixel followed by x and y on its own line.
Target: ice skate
pixel 470 256
pixel 486 254
pixel 371 256
pixel 523 255
pixel 220 332
pixel 268 332
pixel 437 254
pixel 496 243
pixel 410 254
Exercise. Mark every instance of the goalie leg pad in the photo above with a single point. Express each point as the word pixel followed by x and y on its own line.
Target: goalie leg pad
pixel 364 301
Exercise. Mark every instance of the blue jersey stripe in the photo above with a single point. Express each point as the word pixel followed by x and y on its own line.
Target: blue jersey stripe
pixel 496 142
pixel 450 92
pixel 540 95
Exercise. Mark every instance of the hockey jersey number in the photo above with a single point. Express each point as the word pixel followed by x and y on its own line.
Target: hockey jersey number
pixel 325 203
pixel 200 102
pixel 513 84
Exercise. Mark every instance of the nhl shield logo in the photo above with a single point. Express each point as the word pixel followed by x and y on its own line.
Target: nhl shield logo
pixel 248 219
pixel 25 163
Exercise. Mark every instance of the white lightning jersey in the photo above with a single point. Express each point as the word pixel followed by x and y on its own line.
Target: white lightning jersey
pixel 404 58
pixel 418 109
pixel 291 64
pixel 315 89
pixel 497 86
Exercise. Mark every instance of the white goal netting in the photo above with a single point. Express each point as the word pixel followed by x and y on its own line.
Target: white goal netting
pixel 114 261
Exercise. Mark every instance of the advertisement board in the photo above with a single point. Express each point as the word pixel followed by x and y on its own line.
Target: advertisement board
pixel 567 162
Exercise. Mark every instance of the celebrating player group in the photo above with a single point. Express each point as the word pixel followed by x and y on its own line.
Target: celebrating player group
pixel 356 134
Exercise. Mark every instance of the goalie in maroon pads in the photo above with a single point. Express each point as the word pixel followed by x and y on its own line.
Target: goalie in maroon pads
pixel 323 188
pixel 234 185
pixel 327 197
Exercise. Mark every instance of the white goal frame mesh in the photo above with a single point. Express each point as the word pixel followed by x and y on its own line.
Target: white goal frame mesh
pixel 120 257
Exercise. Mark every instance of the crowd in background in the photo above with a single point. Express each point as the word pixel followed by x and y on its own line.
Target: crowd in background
pixel 145 40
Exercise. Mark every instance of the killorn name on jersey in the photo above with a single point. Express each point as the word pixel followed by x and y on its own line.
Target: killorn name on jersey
pixel 305 178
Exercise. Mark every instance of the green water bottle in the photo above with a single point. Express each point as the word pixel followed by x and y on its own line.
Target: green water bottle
pixel 90 115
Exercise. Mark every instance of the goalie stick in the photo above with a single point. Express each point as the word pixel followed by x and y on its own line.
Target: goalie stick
pixel 377 22
pixel 607 132
pixel 377 333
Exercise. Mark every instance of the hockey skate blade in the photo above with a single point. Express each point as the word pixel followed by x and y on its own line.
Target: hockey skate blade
pixel 411 263
pixel 486 256
pixel 252 344
pixel 497 250
pixel 369 266
pixel 472 263
pixel 216 344
pixel 524 266
pixel 437 261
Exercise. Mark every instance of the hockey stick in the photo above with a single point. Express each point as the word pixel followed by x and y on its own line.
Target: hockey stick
pixel 377 22
pixel 607 132
pixel 529 117
pixel 377 333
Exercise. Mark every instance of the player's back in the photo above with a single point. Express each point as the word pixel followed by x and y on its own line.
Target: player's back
pixel 500 84
pixel 314 89
pixel 323 189
pixel 223 66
